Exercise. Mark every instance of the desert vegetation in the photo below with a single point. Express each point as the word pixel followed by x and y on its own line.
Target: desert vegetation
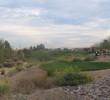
pixel 71 77
pixel 39 68
pixel 4 87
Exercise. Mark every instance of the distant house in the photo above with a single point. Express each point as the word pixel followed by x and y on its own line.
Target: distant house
pixel 81 49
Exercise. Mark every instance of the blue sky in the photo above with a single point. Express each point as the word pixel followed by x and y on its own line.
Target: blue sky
pixel 56 23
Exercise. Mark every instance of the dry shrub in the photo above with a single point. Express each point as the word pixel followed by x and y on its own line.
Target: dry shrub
pixel 8 64
pixel 30 84
pixel 15 59
pixel 41 80
pixel 1 65
pixel 19 68
pixel 24 86
pixel 9 60
pixel 19 63
pixel 2 72
pixel 12 72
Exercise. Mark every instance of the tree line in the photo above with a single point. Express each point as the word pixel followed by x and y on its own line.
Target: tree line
pixel 105 44
pixel 6 50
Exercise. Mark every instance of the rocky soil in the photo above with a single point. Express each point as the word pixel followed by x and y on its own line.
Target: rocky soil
pixel 99 90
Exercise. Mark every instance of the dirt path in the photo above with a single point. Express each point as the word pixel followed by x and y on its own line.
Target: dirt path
pixel 103 59
pixel 25 75
pixel 99 74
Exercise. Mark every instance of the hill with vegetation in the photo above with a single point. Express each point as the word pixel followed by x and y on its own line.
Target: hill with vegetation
pixel 35 72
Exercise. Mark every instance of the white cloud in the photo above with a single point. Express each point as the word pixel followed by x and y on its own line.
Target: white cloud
pixel 74 39
pixel 74 34
pixel 59 22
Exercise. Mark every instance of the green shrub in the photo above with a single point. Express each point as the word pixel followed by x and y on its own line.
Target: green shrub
pixel 19 68
pixel 8 64
pixel 77 60
pixel 72 77
pixel 1 65
pixel 30 65
pixel 12 72
pixel 4 87
pixel 63 59
pixel 90 58
pixel 15 59
pixel 50 72
pixel 15 70
pixel 8 60
pixel 39 55
pixel 19 63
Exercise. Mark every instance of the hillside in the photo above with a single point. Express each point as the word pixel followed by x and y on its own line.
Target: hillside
pixel 99 90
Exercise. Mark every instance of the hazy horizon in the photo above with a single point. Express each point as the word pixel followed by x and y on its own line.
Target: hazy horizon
pixel 58 23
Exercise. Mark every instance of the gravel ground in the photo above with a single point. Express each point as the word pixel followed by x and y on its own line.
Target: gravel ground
pixel 99 90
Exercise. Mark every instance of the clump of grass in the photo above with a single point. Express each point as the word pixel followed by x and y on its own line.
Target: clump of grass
pixel 67 58
pixel 19 68
pixel 4 87
pixel 15 70
pixel 41 80
pixel 90 58
pixel 8 64
pixel 25 86
pixel 1 65
pixel 72 77
pixel 12 72
pixel 33 82
pixel 30 65
pixel 63 59
pixel 19 63
pixel 77 60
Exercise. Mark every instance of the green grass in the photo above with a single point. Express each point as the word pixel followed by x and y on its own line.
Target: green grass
pixel 4 87
pixel 83 66
pixel 79 53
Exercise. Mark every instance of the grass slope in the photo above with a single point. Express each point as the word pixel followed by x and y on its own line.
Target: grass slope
pixel 83 66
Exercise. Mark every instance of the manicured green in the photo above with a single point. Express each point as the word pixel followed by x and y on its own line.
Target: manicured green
pixel 83 66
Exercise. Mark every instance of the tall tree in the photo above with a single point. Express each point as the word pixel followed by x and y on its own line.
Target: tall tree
pixel 40 47
pixel 5 50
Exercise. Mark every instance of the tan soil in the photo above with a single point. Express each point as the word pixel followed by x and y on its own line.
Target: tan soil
pixel 99 74
pixel 25 74
pixel 103 59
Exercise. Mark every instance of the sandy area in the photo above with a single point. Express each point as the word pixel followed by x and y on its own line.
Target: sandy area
pixel 99 74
